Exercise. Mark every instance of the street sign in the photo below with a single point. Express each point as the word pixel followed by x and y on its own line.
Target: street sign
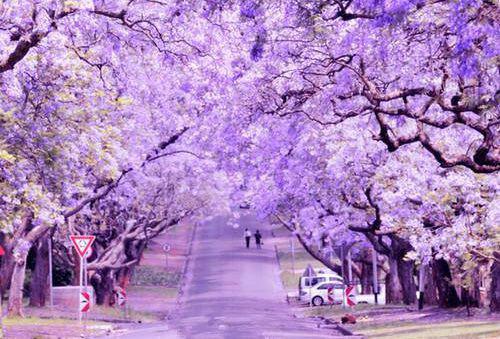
pixel 166 248
pixel 82 243
pixel 349 295
pixel 84 302
pixel 2 251
pixel 122 297
pixel 330 295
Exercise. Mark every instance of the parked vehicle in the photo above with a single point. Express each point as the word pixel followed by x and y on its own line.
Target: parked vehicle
pixel 322 276
pixel 318 294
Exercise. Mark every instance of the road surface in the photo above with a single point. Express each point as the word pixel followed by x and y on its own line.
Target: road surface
pixel 232 292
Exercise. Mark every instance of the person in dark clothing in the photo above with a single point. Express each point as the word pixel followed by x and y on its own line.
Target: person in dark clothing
pixel 248 235
pixel 258 239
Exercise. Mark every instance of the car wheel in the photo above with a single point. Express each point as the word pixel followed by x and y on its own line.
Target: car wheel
pixel 317 301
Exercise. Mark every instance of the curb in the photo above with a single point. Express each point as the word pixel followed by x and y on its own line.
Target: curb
pixel 183 280
pixel 338 327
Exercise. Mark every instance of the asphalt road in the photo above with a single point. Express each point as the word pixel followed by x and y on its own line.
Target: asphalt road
pixel 232 292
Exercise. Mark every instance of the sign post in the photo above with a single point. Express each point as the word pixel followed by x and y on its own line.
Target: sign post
pixel 375 275
pixel 121 295
pixel 342 259
pixel 82 244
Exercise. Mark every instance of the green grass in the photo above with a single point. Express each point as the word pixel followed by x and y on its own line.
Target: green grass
pixel 36 321
pixel 424 328
pixel 337 311
pixel 161 292
pixel 459 329
pixel 155 276
pixel 118 313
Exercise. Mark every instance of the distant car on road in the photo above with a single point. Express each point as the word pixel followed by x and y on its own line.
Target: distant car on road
pixel 318 294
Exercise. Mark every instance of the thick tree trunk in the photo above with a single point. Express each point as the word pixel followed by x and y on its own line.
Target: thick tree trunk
pixel 447 294
pixel 366 279
pixel 6 266
pixel 103 283
pixel 393 288
pixel 123 278
pixel 39 286
pixel 405 270
pixel 494 292
pixel 15 307
pixel 430 291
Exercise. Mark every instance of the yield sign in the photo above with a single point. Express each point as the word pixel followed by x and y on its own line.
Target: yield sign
pixel 82 243
pixel 84 302
pixel 350 297
pixel 2 251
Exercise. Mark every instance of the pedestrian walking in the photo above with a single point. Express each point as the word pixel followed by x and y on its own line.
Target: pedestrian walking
pixel 258 239
pixel 248 235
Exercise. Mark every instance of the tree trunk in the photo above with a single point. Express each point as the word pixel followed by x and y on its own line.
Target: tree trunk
pixel 494 292
pixel 39 286
pixel 366 279
pixel 430 291
pixel 103 283
pixel 15 307
pixel 447 294
pixel 123 278
pixel 405 271
pixel 393 288
pixel 6 266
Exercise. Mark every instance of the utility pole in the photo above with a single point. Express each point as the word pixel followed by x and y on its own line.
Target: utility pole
pixel 343 275
pixel 293 257
pixel 375 275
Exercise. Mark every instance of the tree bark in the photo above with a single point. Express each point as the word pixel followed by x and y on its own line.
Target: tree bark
pixel 430 291
pixel 366 279
pixel 6 267
pixel 494 292
pixel 39 286
pixel 103 282
pixel 405 270
pixel 447 294
pixel 15 307
pixel 393 288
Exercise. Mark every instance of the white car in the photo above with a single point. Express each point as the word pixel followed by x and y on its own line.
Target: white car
pixel 305 282
pixel 318 294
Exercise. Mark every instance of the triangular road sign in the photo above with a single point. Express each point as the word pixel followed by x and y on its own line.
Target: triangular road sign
pixel 82 243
